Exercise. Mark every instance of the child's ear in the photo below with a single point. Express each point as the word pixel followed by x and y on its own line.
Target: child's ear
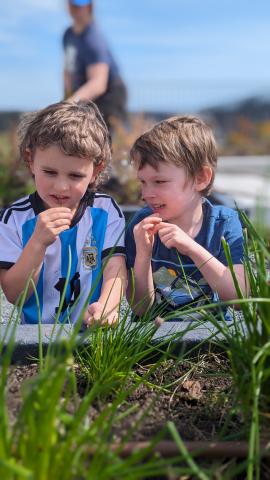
pixel 203 178
pixel 97 169
pixel 28 158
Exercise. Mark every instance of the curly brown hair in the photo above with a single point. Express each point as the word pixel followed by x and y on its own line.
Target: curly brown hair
pixel 76 128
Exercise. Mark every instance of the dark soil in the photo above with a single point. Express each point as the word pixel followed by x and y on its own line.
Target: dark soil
pixel 195 396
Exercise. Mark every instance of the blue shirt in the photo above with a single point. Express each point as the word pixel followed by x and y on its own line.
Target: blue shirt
pixel 85 49
pixel 178 282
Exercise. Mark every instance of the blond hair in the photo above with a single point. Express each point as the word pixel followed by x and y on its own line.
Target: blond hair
pixel 76 128
pixel 185 141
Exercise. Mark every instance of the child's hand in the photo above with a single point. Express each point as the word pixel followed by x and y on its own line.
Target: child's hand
pixel 173 236
pixel 96 314
pixel 144 234
pixel 50 224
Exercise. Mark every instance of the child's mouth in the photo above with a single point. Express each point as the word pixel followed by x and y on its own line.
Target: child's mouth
pixel 59 199
pixel 157 208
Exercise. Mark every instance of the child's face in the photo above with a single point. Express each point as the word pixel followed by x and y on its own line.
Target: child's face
pixel 60 179
pixel 169 192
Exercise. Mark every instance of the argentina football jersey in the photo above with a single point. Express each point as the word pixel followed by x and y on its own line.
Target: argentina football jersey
pixel 75 258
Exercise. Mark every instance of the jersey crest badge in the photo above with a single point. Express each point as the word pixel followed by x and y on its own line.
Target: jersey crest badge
pixel 90 254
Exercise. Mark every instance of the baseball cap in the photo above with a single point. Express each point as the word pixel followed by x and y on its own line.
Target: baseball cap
pixel 80 3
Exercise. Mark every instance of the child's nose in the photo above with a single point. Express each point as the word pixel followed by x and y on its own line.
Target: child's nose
pixel 62 184
pixel 148 192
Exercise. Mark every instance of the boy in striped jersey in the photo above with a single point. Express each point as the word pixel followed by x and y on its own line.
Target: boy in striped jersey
pixel 64 233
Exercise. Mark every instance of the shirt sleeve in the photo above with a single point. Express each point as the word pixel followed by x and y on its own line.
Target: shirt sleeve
pixel 233 234
pixel 130 245
pixel 10 244
pixel 129 239
pixel 96 50
pixel 114 243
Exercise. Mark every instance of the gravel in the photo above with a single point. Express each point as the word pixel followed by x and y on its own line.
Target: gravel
pixel 5 308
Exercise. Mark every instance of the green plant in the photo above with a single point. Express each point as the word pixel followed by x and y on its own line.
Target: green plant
pixel 246 340
pixel 112 354
pixel 54 436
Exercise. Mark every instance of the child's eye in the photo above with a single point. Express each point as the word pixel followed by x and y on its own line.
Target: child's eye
pixel 49 172
pixel 76 176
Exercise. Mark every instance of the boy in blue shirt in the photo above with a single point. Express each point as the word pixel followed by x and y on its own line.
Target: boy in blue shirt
pixel 67 148
pixel 174 244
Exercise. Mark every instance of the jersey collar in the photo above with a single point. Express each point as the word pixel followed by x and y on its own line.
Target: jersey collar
pixel 86 201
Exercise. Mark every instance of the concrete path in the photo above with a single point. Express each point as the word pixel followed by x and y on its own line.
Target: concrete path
pixel 247 181
pixel 183 335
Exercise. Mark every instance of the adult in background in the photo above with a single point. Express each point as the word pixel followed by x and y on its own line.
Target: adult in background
pixel 90 71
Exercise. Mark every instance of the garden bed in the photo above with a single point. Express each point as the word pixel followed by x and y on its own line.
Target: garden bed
pixel 197 402
pixel 196 394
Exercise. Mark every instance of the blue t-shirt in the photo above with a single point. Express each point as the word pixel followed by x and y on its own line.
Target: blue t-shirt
pixel 178 282
pixel 85 49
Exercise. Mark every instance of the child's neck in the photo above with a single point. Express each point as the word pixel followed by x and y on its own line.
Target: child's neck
pixel 191 223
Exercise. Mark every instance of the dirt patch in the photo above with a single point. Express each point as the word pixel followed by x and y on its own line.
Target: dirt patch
pixel 196 395
pixel 197 398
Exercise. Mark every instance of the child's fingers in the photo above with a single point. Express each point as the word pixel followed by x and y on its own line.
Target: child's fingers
pixel 165 224
pixel 166 227
pixel 151 230
pixel 148 226
pixel 163 230
pixel 55 213
pixel 90 321
pixel 58 209
pixel 153 219
pixel 151 223
pixel 61 222
pixel 58 230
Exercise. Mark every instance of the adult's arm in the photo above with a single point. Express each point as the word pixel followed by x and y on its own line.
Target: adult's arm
pixel 95 86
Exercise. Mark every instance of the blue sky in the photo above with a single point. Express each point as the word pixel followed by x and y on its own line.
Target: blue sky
pixel 175 55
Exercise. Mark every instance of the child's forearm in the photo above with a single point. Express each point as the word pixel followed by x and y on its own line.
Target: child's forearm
pixel 111 294
pixel 14 280
pixel 218 275
pixel 143 294
pixel 114 284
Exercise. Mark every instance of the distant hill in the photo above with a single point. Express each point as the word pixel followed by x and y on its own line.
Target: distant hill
pixel 225 117
pixel 255 109
pixel 9 119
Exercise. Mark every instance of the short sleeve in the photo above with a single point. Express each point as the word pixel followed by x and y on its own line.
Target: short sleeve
pixel 114 241
pixel 130 246
pixel 233 234
pixel 96 49
pixel 10 244
pixel 129 239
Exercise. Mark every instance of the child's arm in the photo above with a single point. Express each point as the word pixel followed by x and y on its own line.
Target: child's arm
pixel 105 310
pixel 217 275
pixel 143 295
pixel 49 225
